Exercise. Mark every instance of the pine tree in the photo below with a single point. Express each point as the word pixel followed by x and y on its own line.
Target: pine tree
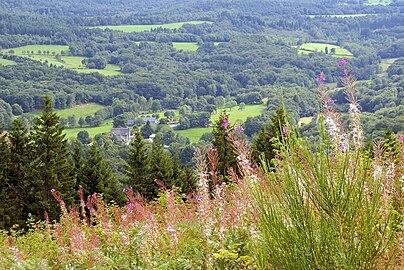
pixel 97 177
pixel 53 166
pixel 138 168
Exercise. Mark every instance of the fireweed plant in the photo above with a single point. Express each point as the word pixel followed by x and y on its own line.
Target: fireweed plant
pixel 326 206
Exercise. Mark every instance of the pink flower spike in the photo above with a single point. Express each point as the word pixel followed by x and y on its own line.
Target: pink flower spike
pixel 225 123
pixel 285 130
pixel 320 78
pixel 342 148
pixel 400 138
pixel 53 190
pixel 342 62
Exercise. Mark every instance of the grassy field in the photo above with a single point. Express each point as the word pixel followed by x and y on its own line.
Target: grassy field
pixel 378 2
pixel 5 62
pixel 70 62
pixel 92 131
pixel 147 27
pixel 194 134
pixel 237 115
pixel 320 47
pixel 305 120
pixel 79 111
pixel 185 46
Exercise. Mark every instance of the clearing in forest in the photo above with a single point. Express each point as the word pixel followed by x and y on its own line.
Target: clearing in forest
pixel 333 50
pixel 148 27
pixel 57 55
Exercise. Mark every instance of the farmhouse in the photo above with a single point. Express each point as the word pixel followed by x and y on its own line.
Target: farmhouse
pixel 122 134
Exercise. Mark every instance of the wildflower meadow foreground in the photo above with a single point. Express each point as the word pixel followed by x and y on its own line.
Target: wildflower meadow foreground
pixel 329 205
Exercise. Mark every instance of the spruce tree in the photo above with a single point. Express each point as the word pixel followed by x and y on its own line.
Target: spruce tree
pixel 97 177
pixel 53 168
pixel 227 157
pixel 138 168
pixel 19 175
pixel 5 218
pixel 160 163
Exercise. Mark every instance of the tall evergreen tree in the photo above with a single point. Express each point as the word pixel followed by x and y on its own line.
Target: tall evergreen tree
pixel 138 168
pixel 53 167
pixel 96 176
pixel 160 163
pixel 5 218
pixel 264 145
pixel 19 176
pixel 227 157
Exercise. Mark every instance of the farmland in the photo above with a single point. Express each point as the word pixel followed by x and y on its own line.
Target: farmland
pixel 378 2
pixel 320 47
pixel 194 134
pixel 342 15
pixel 56 55
pixel 185 46
pixel 5 62
pixel 79 111
pixel 92 131
pixel 147 27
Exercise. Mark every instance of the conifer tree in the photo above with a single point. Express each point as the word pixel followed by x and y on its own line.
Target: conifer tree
pixel 264 145
pixel 138 168
pixel 19 177
pixel 53 168
pixel 227 157
pixel 160 164
pixel 5 218
pixel 97 177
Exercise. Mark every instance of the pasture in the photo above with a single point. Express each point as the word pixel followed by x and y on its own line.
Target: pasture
pixel 147 27
pixel 5 62
pixel 320 47
pixel 82 110
pixel 56 55
pixel 194 134
pixel 185 46
pixel 377 2
pixel 92 131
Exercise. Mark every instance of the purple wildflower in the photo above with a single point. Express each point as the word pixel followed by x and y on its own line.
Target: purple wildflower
pixel 225 123
pixel 320 78
pixel 342 62
pixel 239 128
pixel 400 138
pixel 342 148
pixel 130 205
pixel 330 101
pixel 199 197
pixel 285 130
pixel 53 190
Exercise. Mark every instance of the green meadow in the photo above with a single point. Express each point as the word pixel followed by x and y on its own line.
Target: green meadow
pixel 194 134
pixel 320 47
pixel 92 131
pixel 378 2
pixel 185 46
pixel 147 27
pixel 82 110
pixel 5 62
pixel 305 120
pixel 40 53
pixel 235 115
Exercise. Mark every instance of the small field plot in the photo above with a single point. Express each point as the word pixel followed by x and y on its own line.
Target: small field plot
pixel 321 47
pixel 56 55
pixel 148 27
pixel 194 134
pixel 5 62
pixel 92 131
pixel 186 46
pixel 241 115
pixel 79 111
pixel 378 2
